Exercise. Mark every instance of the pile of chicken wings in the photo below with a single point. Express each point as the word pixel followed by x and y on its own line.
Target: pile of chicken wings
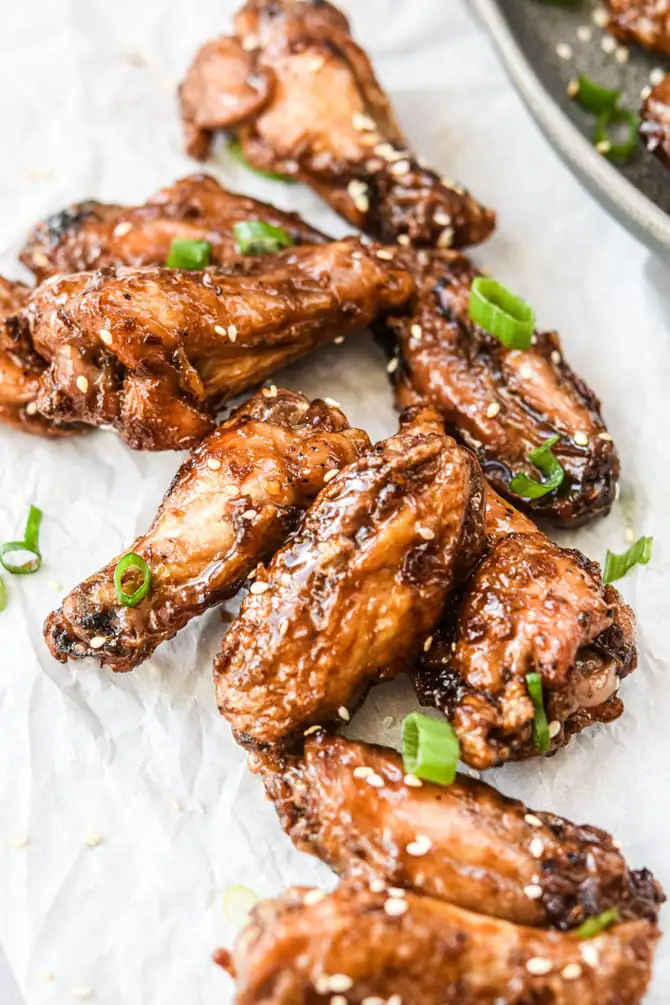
pixel 416 555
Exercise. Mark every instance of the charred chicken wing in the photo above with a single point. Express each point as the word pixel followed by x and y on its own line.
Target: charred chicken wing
pixel 531 607
pixel 274 85
pixel 655 127
pixel 93 235
pixel 232 503
pixel 503 403
pixel 464 843
pixel 358 588
pixel 646 22
pixel 154 352
pixel 307 947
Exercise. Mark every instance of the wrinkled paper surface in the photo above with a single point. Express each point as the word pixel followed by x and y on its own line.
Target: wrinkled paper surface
pixel 88 108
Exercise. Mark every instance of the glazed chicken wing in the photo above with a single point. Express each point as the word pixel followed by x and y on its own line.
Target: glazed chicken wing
pixel 93 235
pixel 305 948
pixel 303 100
pixel 357 589
pixel 232 503
pixel 531 607
pixel 503 403
pixel 655 127
pixel 464 843
pixel 154 352
pixel 646 22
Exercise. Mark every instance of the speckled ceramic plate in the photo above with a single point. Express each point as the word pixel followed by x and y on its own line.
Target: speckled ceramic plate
pixel 544 46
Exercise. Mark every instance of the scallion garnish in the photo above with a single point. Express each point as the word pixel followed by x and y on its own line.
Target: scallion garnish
pixel 430 748
pixel 501 313
pixel 602 136
pixel 254 237
pixel 544 460
pixel 3 594
pixel 30 543
pixel 594 926
pixel 592 96
pixel 187 254
pixel 238 902
pixel 541 737
pixel 131 560
pixel 235 148
pixel 616 566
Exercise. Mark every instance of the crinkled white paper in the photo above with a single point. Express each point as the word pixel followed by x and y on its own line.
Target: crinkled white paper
pixel 87 103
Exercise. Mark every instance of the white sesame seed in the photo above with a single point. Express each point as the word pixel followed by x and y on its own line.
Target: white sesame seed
pixel 31 408
pixel 441 218
pixel 213 463
pixel 622 54
pixel 605 436
pixel 373 1001
pixel 533 891
pixel 394 908
pixel 385 254
pixel 413 782
pixel 375 780
pixel 47 975
pixel 232 332
pixel 392 365
pixel 329 475
pixel 339 1000
pixel 404 240
pixel 250 514
pixel 416 331
pixel 572 89
pixel 555 357
pixel 322 984
pixel 525 372
pixel 421 845
pixel 584 33
pixel 97 642
pixel 536 848
pixel 446 238
pixel 363 123
pixel 361 203
pixel 608 44
pixel 220 330
pixel 394 1000
pixel 340 982
pixel 581 439
pixel 385 150
pixel 554 728
pixel 106 336
pixel 656 76
pixel 400 167
pixel 20 840
pixel 538 966
pixel 270 392
pixel 259 587
pixel 344 713
pixel 571 972
pixel 600 17
pixel 250 43
pixel 82 384
pixel 313 897
pixel 80 991
pixel 396 891
pixel 564 50
pixel 428 643
pixel 362 771
pixel 122 229
pixel 332 402
pixel 590 954
pixel 317 63
pixel 532 820
pixel 357 187
pixel 311 729
pixel 339 340
pixel 492 410
pixel 377 885
pixel 92 839
pixel 645 92
pixel 425 532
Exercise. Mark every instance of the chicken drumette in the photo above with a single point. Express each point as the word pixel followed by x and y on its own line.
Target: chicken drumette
pixel 154 352
pixel 232 503
pixel 274 84
pixel 355 592
pixel 646 22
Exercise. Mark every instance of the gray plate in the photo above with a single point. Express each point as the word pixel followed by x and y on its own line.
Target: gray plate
pixel 527 34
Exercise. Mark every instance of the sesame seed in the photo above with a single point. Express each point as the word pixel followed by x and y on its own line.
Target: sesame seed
pixel 97 642
pixel 362 771
pixel 339 1000
pixel 317 63
pixel 31 408
pixel 394 908
pixel 554 728
pixel 392 365
pixel 259 587
pixel 584 33
pixel 404 240
pixel 608 44
pixel 656 76
pixel 20 840
pixel 361 203
pixel 397 891
pixel 571 972
pixel 340 982
pixel 213 463
pixel 373 1001
pixel 532 820
pixel 645 92
pixel 428 643
pixel 413 782
pixel 344 713
pixel 220 330
pixel 572 89
pixel 622 54
pixel 425 532
pixel 82 384
pixel 329 475
pixel 339 340
pixel 363 123
pixel 313 897
pixel 357 187
pixel 525 372
pixel 555 357
pixel 311 729
pixel 250 43
pixel 92 839
pixel 590 955
pixel 400 167
pixel 122 228
pixel 232 332
pixel 492 410
pixel 375 780
pixel 538 966
pixel 80 991
pixel 421 845
pixel 446 238
pixel 581 439
pixel 564 50
pixel 332 402
pixel 106 336
pixel 605 436
pixel 250 514
pixel 385 254
pixel 270 392
pixel 536 848
pixel 599 17
pixel 441 218
pixel 394 1000
pixel 533 891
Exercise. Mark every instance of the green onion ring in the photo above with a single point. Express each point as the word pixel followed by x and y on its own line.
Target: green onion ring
pixel 254 237
pixel 235 149
pixel 430 749
pixel 30 543
pixel 541 736
pixel 3 594
pixel 594 926
pixel 136 561
pixel 543 459
pixel 592 96
pixel 501 313
pixel 616 566
pixel 601 136
pixel 189 254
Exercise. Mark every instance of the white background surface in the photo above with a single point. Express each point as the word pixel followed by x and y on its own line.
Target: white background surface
pixel 144 758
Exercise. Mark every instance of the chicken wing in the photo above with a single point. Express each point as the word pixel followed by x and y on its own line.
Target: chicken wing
pixel 357 589
pixel 232 503
pixel 93 235
pixel 273 84
pixel 531 606
pixel 503 403
pixel 646 22
pixel 464 843
pixel 307 947
pixel 655 127
pixel 154 352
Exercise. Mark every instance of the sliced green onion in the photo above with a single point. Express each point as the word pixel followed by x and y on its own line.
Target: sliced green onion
pixel 616 566
pixel 501 313
pixel 3 594
pixel 30 544
pixel 235 149
pixel 430 748
pixel 253 237
pixel 238 902
pixel 594 926
pixel 541 737
pixel 187 254
pixel 134 561
pixel 592 96
pixel 544 460
pixel 602 136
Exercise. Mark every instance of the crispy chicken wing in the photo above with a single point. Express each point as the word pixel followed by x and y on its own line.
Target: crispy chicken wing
pixel 531 606
pixel 464 843
pixel 502 402
pixel 274 85
pixel 232 503
pixel 373 948
pixel 153 352
pixel 646 22
pixel 93 235
pixel 655 127
pixel 357 589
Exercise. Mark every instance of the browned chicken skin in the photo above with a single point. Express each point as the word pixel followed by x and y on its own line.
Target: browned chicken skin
pixel 354 593
pixel 300 950
pixel 655 127
pixel 154 352
pixel 232 503
pixel 646 22
pixel 503 403
pixel 93 235
pixel 273 84
pixel 464 843
pixel 531 606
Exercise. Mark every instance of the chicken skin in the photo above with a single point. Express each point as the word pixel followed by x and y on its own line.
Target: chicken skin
pixel 154 352
pixel 646 22
pixel 503 403
pixel 531 607
pixel 655 127
pixel 464 843
pixel 306 947
pixel 273 86
pixel 233 502
pixel 93 235
pixel 353 595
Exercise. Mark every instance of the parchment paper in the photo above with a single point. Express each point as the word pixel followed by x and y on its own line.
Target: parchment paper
pixel 143 760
